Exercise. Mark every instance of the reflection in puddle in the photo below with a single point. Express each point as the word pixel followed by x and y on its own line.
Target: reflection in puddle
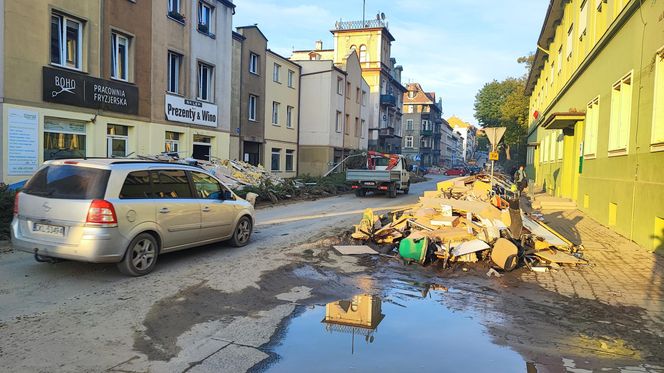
pixel 359 316
pixel 410 328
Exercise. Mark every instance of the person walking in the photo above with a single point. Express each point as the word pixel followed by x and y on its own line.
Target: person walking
pixel 521 179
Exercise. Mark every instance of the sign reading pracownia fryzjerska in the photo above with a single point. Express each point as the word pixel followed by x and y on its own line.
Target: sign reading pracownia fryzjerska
pixel 72 88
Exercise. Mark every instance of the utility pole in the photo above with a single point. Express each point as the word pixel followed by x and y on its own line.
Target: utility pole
pixel 364 8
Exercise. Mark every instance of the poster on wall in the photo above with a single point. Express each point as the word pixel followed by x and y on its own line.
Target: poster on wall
pixel 22 142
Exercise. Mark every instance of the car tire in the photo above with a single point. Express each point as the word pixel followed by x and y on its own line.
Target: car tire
pixel 360 192
pixel 141 256
pixel 242 232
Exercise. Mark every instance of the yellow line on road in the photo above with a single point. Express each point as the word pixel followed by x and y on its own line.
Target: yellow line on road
pixel 329 215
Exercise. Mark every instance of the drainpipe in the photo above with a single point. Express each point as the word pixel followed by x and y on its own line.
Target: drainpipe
pixel 638 119
pixel 299 116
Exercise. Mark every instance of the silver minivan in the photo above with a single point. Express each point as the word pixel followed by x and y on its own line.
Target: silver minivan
pixel 125 211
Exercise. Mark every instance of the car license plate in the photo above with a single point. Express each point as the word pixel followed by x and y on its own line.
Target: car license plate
pixel 52 230
pixel 369 183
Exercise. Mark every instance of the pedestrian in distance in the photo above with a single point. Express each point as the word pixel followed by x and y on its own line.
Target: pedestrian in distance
pixel 521 179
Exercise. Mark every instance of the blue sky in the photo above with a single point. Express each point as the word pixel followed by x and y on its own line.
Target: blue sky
pixel 451 47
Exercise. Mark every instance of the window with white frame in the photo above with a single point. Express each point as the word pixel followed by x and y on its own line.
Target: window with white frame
pixel 592 127
pixel 621 113
pixel 276 155
pixel 66 41
pixel 409 124
pixel 275 112
pixel 583 18
pixel 337 123
pixel 290 158
pixel 172 142
pixel 657 136
pixel 174 6
pixel 357 127
pixel 254 63
pixel 363 53
pixel 276 71
pixel 340 86
pixel 408 142
pixel 205 18
pixel 205 82
pixel 530 155
pixel 570 41
pixel 291 76
pixel 174 65
pixel 253 103
pixel 119 56
pixel 289 116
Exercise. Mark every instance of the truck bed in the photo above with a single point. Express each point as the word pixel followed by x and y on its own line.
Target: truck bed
pixel 373 175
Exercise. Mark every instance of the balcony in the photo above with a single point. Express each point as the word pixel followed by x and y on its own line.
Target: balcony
pixel 389 100
pixel 426 133
pixel 386 132
pixel 357 25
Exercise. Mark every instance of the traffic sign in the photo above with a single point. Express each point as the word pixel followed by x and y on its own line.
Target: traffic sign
pixel 494 134
pixel 493 156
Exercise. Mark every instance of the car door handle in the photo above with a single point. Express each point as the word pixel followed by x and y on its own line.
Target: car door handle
pixel 206 209
pixel 164 210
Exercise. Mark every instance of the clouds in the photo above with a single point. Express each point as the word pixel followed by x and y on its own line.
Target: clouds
pixel 451 47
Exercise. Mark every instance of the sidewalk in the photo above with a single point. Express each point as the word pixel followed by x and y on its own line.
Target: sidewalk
pixel 620 273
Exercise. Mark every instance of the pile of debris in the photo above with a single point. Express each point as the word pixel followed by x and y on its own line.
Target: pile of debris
pixel 468 220
pixel 235 174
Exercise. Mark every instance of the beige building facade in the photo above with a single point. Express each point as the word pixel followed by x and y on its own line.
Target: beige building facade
pixel 282 102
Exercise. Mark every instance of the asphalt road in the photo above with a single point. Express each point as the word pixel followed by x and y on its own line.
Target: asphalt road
pixel 201 310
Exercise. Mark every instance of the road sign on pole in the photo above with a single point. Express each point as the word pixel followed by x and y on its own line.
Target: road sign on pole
pixel 494 134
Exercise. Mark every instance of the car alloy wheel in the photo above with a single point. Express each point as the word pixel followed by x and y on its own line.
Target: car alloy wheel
pixel 143 254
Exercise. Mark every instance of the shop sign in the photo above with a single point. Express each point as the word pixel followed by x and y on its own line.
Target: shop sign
pixel 179 109
pixel 72 88
pixel 22 142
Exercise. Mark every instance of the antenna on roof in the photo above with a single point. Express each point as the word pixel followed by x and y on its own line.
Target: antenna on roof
pixel 382 16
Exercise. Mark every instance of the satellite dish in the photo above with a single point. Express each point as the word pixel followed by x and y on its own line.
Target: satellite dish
pixel 382 16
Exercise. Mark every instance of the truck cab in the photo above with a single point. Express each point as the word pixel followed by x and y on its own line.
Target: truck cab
pixel 386 173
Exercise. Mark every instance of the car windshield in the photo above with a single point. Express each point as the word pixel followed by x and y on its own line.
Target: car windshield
pixel 68 182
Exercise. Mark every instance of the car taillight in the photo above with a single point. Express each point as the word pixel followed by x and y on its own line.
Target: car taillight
pixel 101 212
pixel 16 204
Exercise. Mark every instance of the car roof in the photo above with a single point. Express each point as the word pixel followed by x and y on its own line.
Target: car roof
pixel 107 163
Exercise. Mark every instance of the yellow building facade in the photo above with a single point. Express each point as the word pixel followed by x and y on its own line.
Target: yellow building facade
pixel 597 102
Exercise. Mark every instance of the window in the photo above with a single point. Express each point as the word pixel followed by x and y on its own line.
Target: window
pixel 357 127
pixel 172 142
pixel 357 95
pixel 363 53
pixel 206 186
pixel 119 57
pixel 174 6
pixel 276 154
pixel 657 136
pixel 621 107
pixel 137 186
pixel 117 138
pixel 171 184
pixel 411 108
pixel 592 126
pixel 560 59
pixel 340 86
pixel 530 155
pixel 202 146
pixel 553 138
pixel 347 124
pixel 253 101
pixel 570 41
pixel 253 63
pixel 291 75
pixel 560 138
pixel 66 42
pixel 289 116
pixel 411 94
pixel 552 73
pixel 275 112
pixel 409 142
pixel 363 127
pixel 364 98
pixel 174 63
pixel 205 18
pixel 348 90
pixel 290 156
pixel 337 126
pixel 275 72
pixel 205 82
pixel 583 18
pixel 542 150
pixel 63 140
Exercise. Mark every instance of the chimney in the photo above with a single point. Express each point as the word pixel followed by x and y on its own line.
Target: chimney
pixel 319 45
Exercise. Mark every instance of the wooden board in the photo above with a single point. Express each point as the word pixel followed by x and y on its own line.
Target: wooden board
pixel 560 257
pixel 479 208
pixel 355 250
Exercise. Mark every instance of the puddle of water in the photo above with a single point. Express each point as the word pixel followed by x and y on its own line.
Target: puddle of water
pixel 409 329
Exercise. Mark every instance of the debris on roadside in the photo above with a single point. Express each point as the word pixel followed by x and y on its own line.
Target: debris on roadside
pixel 466 220
pixel 355 250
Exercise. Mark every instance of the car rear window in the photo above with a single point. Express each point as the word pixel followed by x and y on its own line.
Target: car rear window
pixel 68 182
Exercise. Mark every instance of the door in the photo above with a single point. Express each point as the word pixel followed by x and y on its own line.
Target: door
pixel 217 214
pixel 178 211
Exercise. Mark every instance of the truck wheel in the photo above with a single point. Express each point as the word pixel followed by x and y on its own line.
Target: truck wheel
pixel 405 191
pixel 360 192
pixel 392 192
